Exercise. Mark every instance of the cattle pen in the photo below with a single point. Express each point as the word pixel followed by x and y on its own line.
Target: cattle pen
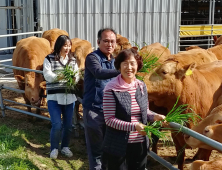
pixel 77 124
pixel 3 107
pixel 185 130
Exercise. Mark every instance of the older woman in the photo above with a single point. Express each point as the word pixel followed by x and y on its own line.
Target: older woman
pixel 126 112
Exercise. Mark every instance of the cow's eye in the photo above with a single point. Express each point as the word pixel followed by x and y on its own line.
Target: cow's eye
pixel 27 84
pixel 164 72
pixel 219 122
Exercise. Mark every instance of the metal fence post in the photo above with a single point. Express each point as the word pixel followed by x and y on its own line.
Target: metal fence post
pixel 1 101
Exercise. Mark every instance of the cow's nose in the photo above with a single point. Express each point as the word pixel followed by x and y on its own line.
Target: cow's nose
pixel 32 99
pixel 186 136
pixel 206 130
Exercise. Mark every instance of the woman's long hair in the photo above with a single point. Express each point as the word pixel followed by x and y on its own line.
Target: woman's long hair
pixel 61 40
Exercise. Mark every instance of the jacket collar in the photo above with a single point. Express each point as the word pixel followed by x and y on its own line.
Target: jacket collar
pixel 103 56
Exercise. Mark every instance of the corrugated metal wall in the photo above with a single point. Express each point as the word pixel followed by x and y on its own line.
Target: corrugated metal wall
pixel 140 21
pixel 24 17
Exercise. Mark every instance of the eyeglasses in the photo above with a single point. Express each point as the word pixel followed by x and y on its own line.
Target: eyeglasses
pixel 106 42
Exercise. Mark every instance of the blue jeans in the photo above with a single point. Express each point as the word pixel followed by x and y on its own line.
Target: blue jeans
pixel 94 132
pixel 55 111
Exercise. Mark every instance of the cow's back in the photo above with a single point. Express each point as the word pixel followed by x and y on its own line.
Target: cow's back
pixel 218 41
pixel 217 50
pixel 80 49
pixel 30 53
pixel 197 56
pixel 156 49
pixel 52 35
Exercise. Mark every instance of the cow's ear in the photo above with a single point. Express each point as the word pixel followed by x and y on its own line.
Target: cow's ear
pixel 20 79
pixel 135 48
pixel 40 67
pixel 42 85
pixel 186 71
pixel 190 68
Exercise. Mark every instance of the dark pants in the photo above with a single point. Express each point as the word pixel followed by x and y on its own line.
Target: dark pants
pixel 55 111
pixel 94 131
pixel 135 158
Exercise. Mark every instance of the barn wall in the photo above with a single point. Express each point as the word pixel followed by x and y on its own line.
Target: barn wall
pixel 140 21
pixel 3 26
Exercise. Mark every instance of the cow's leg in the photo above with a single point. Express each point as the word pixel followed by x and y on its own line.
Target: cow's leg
pixel 202 154
pixel 180 148
pixel 38 111
pixel 154 143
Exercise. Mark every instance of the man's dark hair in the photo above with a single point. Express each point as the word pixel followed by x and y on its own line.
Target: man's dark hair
pixel 99 36
pixel 125 54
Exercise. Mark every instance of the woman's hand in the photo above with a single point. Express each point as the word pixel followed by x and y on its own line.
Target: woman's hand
pixel 158 117
pixel 140 129
pixel 60 77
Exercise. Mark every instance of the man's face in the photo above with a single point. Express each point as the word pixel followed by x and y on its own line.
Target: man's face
pixel 107 43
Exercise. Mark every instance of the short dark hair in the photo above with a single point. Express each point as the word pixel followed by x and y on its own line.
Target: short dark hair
pixel 125 54
pixel 99 36
pixel 60 41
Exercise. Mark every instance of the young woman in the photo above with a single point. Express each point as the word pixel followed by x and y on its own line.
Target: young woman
pixel 126 112
pixel 60 101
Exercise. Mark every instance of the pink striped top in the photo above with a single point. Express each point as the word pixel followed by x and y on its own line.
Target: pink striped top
pixel 109 109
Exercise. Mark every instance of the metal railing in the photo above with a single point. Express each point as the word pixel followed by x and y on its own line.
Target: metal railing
pixel 3 107
pixel 192 133
pixel 183 129
pixel 11 35
pixel 200 35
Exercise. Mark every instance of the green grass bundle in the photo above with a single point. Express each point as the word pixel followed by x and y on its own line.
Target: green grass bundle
pixel 68 75
pixel 150 62
pixel 176 115
pixel 154 128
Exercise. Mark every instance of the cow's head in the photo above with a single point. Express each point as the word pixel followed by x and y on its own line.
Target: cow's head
pixel 210 126
pixel 166 83
pixel 121 44
pixel 33 86
pixel 201 165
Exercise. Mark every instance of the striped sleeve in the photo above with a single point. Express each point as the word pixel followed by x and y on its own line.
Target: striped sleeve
pixel 150 114
pixel 109 109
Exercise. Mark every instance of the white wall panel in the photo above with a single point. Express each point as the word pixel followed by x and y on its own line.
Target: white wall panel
pixel 140 21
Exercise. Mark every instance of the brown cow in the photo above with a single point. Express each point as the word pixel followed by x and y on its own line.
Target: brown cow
pixel 217 50
pixel 207 165
pixel 30 53
pixel 214 131
pixel 170 81
pixel 217 41
pixel 121 43
pixel 192 47
pixel 156 49
pixel 52 35
pixel 80 49
pixel 197 56
pixel 210 127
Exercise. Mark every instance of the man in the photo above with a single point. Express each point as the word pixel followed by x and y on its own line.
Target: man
pixel 99 70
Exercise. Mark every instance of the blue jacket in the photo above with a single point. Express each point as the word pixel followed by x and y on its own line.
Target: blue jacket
pixel 98 72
